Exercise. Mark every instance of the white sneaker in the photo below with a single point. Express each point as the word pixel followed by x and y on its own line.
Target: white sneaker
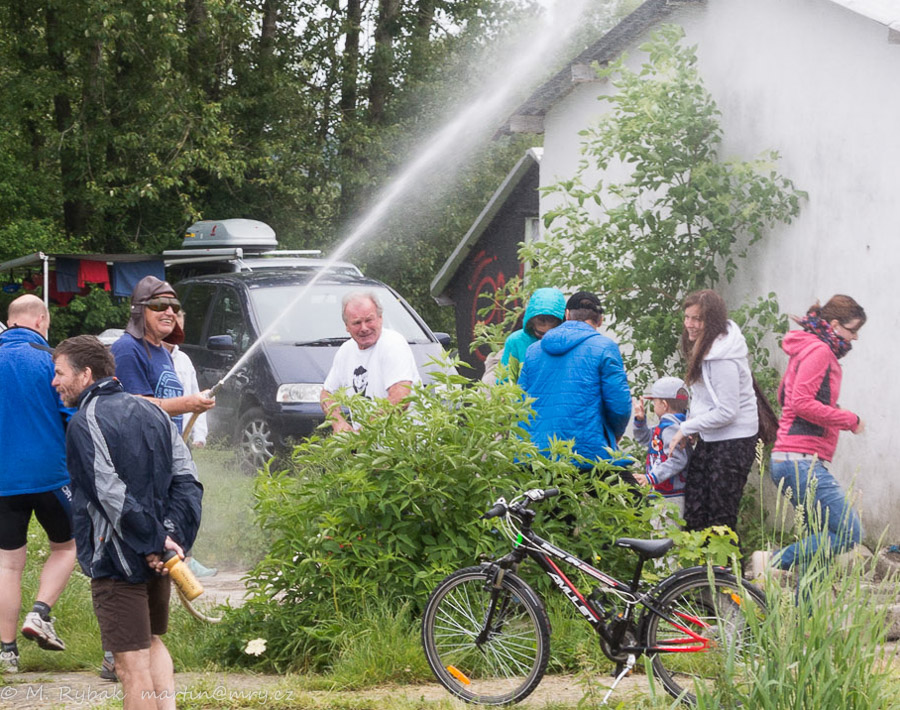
pixel 759 564
pixel 9 662
pixel 42 631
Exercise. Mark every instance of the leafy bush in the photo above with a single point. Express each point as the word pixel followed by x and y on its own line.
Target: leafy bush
pixel 92 313
pixel 381 515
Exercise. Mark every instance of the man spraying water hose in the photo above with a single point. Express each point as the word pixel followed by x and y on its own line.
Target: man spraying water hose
pixel 376 362
pixel 145 367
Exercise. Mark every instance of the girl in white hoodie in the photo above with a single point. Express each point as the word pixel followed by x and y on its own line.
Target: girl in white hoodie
pixel 723 413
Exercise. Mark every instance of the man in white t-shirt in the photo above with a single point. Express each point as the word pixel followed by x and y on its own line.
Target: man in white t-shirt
pixel 376 362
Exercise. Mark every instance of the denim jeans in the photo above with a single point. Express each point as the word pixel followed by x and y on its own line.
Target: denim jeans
pixel 833 520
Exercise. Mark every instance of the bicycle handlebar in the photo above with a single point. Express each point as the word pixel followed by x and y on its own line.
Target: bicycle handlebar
pixel 536 494
pixel 498 510
pixel 501 507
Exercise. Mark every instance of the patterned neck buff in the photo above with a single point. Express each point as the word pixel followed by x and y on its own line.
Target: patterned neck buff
pixel 824 332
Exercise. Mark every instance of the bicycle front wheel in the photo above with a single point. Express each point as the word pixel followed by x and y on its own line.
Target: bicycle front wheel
pixel 703 638
pixel 485 645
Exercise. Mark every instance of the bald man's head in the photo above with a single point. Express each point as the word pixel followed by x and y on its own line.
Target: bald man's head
pixel 30 312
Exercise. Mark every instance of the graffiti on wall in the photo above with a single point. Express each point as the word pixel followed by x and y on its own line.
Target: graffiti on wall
pixel 487 277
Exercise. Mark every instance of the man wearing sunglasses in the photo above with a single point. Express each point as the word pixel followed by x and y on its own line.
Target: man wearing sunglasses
pixel 143 365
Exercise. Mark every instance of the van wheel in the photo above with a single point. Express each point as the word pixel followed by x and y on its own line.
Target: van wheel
pixel 256 440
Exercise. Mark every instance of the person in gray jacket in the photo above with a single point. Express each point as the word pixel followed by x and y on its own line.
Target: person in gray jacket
pixel 135 495
pixel 723 413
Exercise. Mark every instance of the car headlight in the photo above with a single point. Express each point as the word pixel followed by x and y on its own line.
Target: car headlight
pixel 299 392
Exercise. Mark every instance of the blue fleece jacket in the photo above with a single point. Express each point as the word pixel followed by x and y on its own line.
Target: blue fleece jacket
pixel 580 388
pixel 32 416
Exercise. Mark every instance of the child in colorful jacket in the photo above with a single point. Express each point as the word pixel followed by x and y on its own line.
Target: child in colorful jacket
pixel 663 471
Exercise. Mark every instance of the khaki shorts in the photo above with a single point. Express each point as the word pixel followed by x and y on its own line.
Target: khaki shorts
pixel 130 614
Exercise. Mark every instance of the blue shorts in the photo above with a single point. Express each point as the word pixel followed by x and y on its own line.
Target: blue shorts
pixel 53 510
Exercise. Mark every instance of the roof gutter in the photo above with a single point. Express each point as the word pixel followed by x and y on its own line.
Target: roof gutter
pixel 885 12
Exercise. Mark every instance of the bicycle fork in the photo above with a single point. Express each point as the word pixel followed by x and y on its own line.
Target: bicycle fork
pixel 496 587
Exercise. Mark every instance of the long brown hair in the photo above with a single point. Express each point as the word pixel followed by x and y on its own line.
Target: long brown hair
pixel 714 314
pixel 841 308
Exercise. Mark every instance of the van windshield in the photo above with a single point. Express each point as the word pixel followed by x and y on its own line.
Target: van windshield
pixel 317 316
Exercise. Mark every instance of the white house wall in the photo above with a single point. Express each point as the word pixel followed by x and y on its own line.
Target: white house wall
pixel 820 84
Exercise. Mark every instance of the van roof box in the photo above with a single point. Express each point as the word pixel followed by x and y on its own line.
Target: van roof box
pixel 248 234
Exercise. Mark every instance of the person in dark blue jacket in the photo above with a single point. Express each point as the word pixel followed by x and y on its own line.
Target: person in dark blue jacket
pixel 33 477
pixel 135 494
pixel 578 382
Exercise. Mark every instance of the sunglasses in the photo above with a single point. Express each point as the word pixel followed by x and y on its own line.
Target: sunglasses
pixel 160 305
pixel 854 331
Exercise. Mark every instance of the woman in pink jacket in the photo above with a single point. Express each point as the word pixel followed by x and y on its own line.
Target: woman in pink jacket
pixel 810 423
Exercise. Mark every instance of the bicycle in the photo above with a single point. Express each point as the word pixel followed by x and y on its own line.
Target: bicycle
pixel 486 632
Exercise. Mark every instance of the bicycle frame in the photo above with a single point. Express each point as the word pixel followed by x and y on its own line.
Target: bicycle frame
pixel 543 553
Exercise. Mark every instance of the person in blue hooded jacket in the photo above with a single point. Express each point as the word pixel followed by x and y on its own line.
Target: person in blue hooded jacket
pixel 34 481
pixel 546 309
pixel 578 381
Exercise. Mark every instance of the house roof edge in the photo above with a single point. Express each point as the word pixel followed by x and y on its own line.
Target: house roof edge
pixel 451 265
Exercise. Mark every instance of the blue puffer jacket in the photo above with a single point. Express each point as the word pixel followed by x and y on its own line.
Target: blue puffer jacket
pixel 31 416
pixel 133 483
pixel 580 388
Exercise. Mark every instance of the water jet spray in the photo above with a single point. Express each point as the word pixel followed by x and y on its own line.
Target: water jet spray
pixel 455 139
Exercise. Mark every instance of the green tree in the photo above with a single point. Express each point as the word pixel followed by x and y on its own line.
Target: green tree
pixel 679 220
pixel 124 122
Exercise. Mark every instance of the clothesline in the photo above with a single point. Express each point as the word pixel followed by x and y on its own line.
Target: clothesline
pixel 73 273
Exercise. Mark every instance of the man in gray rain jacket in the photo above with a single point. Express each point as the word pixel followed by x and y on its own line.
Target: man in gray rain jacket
pixel 135 494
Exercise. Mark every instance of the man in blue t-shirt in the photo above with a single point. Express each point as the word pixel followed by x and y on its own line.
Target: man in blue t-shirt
pixel 143 365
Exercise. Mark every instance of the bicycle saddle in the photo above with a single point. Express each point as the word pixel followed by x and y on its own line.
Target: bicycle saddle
pixel 650 549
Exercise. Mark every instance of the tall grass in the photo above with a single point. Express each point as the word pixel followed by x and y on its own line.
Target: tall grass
pixel 229 536
pixel 821 647
pixel 828 652
pixel 75 620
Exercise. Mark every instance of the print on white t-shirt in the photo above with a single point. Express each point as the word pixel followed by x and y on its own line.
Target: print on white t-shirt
pixel 360 380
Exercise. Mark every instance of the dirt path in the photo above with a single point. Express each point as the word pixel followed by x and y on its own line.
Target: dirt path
pixel 213 690
pixel 44 690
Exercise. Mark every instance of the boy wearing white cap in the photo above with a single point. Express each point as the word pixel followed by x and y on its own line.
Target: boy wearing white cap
pixel 663 471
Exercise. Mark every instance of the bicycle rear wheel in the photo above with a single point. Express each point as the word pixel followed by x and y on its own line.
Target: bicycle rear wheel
pixel 704 637
pixel 509 663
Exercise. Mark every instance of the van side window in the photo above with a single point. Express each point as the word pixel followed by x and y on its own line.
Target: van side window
pixel 196 304
pixel 228 319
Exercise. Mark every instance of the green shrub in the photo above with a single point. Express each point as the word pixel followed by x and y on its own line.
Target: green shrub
pixel 381 515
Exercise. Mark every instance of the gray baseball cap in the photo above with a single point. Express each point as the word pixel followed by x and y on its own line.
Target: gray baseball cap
pixel 668 388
